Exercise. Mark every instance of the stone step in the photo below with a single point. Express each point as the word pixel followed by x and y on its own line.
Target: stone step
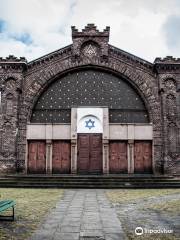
pixel 93 186
pixel 87 182
pixel 89 176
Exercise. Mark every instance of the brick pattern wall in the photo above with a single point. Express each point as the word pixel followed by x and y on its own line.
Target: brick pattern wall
pixel 11 76
pixel 169 84
pixel 22 83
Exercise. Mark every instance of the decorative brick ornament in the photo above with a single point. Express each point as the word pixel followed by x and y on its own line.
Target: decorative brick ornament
pixel 22 83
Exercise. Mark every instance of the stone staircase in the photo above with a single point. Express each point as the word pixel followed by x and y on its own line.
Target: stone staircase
pixel 89 181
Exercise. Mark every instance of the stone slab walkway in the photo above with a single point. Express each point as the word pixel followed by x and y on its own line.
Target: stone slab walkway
pixel 84 214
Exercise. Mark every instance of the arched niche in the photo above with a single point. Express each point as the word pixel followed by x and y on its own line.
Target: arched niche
pixel 90 87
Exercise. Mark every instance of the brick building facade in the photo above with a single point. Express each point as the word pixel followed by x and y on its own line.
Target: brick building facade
pixel 90 108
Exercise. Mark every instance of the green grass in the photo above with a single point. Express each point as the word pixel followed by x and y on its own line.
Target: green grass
pixel 131 195
pixel 128 196
pixel 152 237
pixel 31 206
pixel 171 206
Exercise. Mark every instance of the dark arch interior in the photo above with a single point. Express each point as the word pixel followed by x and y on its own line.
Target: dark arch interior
pixel 90 88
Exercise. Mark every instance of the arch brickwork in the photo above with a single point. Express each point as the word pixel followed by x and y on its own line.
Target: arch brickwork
pixel 90 50
pixel 143 81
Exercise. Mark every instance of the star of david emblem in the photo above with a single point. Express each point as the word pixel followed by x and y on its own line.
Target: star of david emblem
pixel 89 124
pixel 90 50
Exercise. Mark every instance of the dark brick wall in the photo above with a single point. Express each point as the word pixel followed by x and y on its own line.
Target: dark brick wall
pixel 11 78
pixel 168 70
pixel 158 84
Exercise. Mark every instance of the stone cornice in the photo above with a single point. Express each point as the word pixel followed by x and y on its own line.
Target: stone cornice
pixel 130 57
pixel 167 64
pixel 12 62
pixel 167 59
pixel 51 56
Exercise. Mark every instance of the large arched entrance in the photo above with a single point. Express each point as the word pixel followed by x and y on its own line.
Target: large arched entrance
pixel 124 144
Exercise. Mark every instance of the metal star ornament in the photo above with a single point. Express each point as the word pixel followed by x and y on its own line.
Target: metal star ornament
pixel 90 124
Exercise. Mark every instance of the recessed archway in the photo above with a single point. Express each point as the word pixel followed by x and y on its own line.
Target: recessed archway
pixel 90 87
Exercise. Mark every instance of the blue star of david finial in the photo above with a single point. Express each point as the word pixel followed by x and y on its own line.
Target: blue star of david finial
pixel 89 124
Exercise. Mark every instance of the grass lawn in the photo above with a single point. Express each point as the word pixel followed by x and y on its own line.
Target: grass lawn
pixel 146 208
pixel 171 207
pixel 31 206
pixel 130 195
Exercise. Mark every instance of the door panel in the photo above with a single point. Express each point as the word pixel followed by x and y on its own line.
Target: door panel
pixel 41 162
pixel 83 153
pixel 32 152
pixel 147 157
pixel 95 161
pixel 61 160
pixel 66 159
pixel 118 162
pixel 89 153
pixel 138 157
pixel 143 157
pixel 37 157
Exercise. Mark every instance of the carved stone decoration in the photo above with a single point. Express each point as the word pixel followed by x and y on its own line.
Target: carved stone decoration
pixel 10 84
pixel 11 76
pixel 90 50
pixel 170 84
pixel 172 138
pixel 8 139
pixel 90 33
pixel 9 104
pixel 171 106
pixel 170 123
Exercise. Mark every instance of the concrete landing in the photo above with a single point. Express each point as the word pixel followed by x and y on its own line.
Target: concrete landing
pixel 83 214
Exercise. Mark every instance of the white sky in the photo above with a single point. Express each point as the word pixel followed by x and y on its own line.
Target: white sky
pixel 145 28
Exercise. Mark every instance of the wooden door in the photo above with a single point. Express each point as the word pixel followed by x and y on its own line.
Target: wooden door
pixel 61 157
pixel 143 157
pixel 32 157
pixel 36 157
pixel 83 153
pixel 118 162
pixel 147 149
pixel 89 153
pixel 95 153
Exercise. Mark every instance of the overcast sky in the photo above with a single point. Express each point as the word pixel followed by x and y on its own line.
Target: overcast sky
pixel 145 28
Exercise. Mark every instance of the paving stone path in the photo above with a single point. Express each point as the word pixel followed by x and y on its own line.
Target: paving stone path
pixel 81 215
